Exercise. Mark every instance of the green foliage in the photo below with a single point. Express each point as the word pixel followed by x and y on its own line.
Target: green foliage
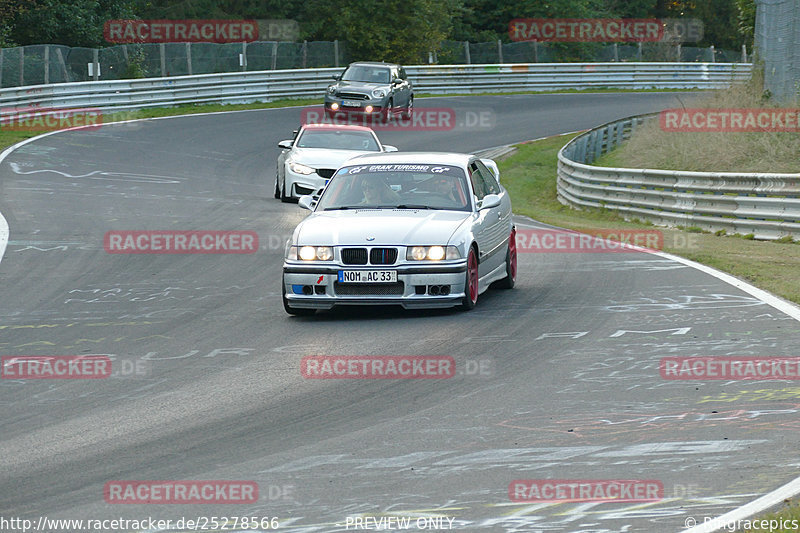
pixel 747 20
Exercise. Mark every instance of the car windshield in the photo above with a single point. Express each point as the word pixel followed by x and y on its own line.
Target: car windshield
pixel 367 74
pixel 338 140
pixel 397 186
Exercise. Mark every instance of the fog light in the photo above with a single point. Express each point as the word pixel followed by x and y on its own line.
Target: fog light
pixel 334 106
pixel 368 109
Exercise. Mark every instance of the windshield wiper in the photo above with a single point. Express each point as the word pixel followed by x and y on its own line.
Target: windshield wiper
pixel 340 208
pixel 414 206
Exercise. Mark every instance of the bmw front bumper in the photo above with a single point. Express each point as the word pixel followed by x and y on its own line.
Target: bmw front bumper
pixel 418 286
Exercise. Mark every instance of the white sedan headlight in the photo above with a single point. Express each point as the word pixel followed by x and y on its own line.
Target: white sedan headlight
pixel 298 168
pixel 432 253
pixel 378 93
pixel 310 253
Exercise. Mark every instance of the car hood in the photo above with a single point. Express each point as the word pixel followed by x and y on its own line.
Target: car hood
pixel 325 157
pixel 385 226
pixel 360 86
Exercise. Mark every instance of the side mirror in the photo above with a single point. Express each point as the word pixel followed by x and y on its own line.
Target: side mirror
pixel 489 201
pixel 389 148
pixel 285 144
pixel 306 202
pixel 491 165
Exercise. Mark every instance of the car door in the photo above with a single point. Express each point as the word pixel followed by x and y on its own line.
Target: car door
pixel 481 224
pixel 496 222
pixel 400 91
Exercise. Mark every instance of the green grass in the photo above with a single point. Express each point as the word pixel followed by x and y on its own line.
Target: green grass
pixel 791 511
pixel 529 174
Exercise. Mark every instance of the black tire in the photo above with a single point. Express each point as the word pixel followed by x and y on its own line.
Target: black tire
pixel 386 112
pixel 296 311
pixel 277 188
pixel 409 108
pixel 470 299
pixel 510 280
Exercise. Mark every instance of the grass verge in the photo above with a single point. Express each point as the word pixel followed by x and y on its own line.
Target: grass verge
pixel 529 175
pixel 788 516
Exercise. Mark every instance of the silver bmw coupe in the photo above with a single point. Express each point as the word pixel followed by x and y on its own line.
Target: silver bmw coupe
pixel 416 229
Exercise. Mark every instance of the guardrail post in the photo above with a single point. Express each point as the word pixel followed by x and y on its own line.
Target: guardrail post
pixel 713 55
pixel 163 60
pixel 274 55
pixel 244 56
pixel 21 66
pixel 616 52
pixel 500 51
pixel 639 51
pixel 336 52
pixel 189 58
pixel 305 53
pixel 46 64
pixel 744 53
pixel 466 52
pixel 678 53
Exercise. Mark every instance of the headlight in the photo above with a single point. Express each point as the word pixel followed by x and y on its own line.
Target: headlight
pixel 297 168
pixel 310 253
pixel 331 89
pixel 432 253
pixel 378 93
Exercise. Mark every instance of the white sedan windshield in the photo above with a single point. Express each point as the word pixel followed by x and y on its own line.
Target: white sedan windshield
pixel 338 140
pixel 397 186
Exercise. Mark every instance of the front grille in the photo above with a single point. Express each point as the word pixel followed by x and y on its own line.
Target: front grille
pixel 383 256
pixel 354 256
pixel 369 289
pixel 325 172
pixel 353 96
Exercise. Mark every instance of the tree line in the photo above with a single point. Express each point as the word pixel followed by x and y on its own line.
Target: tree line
pixel 391 30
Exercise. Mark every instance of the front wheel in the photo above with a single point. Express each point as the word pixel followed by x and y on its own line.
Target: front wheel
pixel 510 280
pixel 284 197
pixel 471 283
pixel 409 108
pixel 277 185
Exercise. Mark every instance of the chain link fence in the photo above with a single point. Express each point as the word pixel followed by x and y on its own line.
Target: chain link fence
pixel 777 40
pixel 42 64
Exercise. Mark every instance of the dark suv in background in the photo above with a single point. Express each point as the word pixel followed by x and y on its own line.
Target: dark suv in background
pixel 370 88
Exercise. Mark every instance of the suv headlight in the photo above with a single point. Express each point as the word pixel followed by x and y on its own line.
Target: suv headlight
pixel 432 253
pixel 331 89
pixel 378 93
pixel 297 168
pixel 310 253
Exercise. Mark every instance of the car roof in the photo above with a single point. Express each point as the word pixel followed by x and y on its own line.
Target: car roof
pixel 438 158
pixel 340 127
pixel 374 64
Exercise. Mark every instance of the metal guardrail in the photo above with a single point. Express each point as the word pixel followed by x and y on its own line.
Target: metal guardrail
pixel 245 87
pixel 763 204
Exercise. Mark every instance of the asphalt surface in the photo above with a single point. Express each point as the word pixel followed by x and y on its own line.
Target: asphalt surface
pixel 207 382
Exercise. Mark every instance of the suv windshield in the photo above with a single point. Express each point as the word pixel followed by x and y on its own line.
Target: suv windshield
pixel 397 186
pixel 367 74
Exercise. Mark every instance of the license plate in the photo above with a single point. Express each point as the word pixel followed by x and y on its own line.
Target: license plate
pixel 351 103
pixel 367 276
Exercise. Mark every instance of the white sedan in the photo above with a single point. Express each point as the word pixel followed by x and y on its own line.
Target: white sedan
pixel 415 229
pixel 307 162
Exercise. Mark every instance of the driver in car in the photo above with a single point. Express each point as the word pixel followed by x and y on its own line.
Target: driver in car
pixel 377 192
